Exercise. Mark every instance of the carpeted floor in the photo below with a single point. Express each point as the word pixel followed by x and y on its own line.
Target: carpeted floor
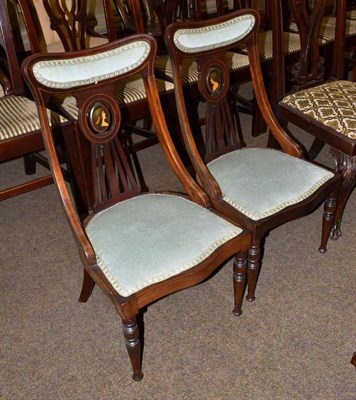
pixel 294 342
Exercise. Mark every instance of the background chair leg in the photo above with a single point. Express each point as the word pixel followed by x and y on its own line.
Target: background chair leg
pixel 253 269
pixel 315 148
pixel 133 346
pixel 30 164
pixel 87 287
pixel 240 274
pixel 328 220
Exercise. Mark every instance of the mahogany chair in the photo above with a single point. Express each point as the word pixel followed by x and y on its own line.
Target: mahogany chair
pixel 71 25
pixel 137 247
pixel 20 132
pixel 325 110
pixel 256 187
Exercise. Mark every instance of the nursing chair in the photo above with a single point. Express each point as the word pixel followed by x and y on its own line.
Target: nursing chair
pixel 326 110
pixel 258 188
pixel 137 247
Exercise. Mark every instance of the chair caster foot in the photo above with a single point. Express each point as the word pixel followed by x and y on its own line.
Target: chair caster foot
pixel 237 311
pixel 250 299
pixel 137 376
pixel 322 250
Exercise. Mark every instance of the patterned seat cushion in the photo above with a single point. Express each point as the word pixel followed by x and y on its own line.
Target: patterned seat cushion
pixel 189 70
pixel 149 238
pixel 261 182
pixel 127 91
pixel 332 104
pixel 18 116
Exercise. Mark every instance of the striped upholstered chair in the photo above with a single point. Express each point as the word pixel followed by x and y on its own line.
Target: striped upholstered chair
pixel 20 133
pixel 137 247
pixel 259 188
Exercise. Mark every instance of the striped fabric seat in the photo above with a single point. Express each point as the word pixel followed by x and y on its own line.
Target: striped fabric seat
pixel 327 29
pixel 351 14
pixel 265 47
pixel 18 116
pixel 189 70
pixel 127 92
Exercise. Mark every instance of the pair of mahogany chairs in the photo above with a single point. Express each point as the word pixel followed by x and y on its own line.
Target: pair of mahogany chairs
pixel 140 247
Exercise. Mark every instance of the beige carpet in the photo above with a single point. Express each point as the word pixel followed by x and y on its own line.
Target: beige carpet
pixel 294 342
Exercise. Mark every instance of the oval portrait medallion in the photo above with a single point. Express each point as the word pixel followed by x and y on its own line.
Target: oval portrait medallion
pixel 214 80
pixel 100 118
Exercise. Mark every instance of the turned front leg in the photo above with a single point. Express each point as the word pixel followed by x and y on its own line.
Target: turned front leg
pixel 133 346
pixel 328 220
pixel 240 270
pixel 253 269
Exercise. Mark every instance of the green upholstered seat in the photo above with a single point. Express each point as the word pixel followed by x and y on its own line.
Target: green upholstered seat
pixel 261 182
pixel 332 104
pixel 149 238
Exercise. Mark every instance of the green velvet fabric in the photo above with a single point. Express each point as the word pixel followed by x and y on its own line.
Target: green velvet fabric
pixel 150 238
pixel 262 182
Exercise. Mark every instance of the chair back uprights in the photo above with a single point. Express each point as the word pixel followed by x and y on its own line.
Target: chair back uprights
pixel 208 46
pixel 93 80
pixel 137 247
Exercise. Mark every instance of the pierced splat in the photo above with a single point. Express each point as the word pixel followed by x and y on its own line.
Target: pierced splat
pixel 220 130
pixel 309 70
pixel 69 19
pixel 112 176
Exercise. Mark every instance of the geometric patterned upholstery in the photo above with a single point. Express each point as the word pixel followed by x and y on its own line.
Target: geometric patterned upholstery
pixel 260 182
pixel 332 104
pixel 189 69
pixel 18 116
pixel 152 237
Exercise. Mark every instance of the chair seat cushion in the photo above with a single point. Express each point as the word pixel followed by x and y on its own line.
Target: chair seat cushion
pixel 261 182
pixel 327 29
pixel 127 91
pixel 189 70
pixel 332 104
pixel 18 116
pixel 149 238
